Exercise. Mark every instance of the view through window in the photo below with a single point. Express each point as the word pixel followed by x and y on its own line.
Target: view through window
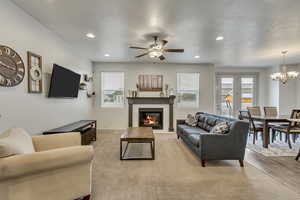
pixel 188 89
pixel 112 89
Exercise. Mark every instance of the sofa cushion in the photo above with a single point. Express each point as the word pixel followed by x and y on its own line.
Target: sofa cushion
pixel 194 130
pixel 181 127
pixel 201 120
pixel 211 121
pixel 221 128
pixel 15 141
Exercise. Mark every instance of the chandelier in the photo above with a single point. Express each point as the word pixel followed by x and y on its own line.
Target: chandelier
pixel 284 75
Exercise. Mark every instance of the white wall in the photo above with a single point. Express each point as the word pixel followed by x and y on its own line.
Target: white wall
pixel 288 94
pixel 298 89
pixel 273 87
pixel 284 96
pixel 35 112
pixel 117 118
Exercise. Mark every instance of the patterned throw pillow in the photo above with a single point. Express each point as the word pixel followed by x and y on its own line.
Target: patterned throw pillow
pixel 191 120
pixel 221 128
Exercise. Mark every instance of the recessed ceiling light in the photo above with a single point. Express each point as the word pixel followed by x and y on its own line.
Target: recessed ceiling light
pixel 90 35
pixel 220 38
pixel 106 55
pixel 196 56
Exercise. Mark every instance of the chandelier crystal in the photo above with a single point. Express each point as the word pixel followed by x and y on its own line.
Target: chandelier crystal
pixel 284 75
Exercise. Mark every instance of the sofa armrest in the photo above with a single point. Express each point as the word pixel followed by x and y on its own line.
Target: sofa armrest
pixel 180 121
pixel 26 164
pixel 54 141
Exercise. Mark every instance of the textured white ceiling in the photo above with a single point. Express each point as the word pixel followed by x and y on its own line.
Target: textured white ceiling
pixel 255 31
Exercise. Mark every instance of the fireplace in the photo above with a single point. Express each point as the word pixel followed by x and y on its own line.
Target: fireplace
pixel 151 117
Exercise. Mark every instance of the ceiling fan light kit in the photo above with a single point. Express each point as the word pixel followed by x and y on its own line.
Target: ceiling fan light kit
pixel 284 75
pixel 156 50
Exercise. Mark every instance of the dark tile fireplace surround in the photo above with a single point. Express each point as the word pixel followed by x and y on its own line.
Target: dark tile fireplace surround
pixel 147 115
pixel 151 117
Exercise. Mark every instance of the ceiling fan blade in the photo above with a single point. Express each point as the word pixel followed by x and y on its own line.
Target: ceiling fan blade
pixel 164 42
pixel 133 47
pixel 162 57
pixel 142 55
pixel 174 50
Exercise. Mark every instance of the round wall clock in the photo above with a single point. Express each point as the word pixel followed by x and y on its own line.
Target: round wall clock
pixel 12 69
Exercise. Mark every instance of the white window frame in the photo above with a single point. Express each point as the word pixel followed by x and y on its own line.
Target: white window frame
pixel 111 105
pixel 237 76
pixel 197 90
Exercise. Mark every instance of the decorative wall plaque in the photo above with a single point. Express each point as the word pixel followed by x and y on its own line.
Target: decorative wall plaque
pixel 12 69
pixel 150 83
pixel 35 78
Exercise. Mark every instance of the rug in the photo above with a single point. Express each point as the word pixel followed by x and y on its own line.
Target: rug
pixel 278 148
pixel 175 174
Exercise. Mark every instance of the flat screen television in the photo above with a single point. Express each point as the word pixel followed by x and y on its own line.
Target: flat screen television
pixel 64 83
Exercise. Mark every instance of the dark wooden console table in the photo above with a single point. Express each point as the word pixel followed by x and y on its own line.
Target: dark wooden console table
pixel 152 100
pixel 87 128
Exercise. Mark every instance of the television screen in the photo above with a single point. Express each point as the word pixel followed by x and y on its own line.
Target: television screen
pixel 64 83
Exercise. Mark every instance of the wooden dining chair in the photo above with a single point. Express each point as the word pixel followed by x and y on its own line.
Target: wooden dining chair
pixel 273 112
pixel 298 156
pixel 254 110
pixel 270 111
pixel 293 127
pixel 254 128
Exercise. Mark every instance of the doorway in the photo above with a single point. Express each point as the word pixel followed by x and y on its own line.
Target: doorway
pixel 235 91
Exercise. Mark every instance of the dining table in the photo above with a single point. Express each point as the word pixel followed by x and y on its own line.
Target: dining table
pixel 267 120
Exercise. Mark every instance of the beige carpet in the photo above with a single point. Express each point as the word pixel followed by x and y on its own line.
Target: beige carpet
pixel 176 174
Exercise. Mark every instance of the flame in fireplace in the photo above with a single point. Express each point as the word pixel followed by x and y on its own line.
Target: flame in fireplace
pixel 150 120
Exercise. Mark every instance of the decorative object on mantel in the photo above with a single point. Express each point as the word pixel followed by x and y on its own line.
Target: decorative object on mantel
pixel 166 90
pixel 132 93
pixel 35 78
pixel 171 92
pixel 150 83
pixel 82 86
pixel 12 69
pixel 284 75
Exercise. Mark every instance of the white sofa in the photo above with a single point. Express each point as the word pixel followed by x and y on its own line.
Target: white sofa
pixel 60 169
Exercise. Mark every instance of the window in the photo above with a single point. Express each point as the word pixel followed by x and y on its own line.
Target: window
pixel 188 89
pixel 235 92
pixel 112 89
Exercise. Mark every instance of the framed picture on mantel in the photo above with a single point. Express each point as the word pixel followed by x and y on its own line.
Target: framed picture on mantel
pixel 150 83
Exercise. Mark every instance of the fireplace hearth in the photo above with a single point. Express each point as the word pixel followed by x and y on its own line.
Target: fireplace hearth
pixel 151 117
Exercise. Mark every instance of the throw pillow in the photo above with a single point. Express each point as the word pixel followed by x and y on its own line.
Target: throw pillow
pixel 15 141
pixel 221 128
pixel 191 120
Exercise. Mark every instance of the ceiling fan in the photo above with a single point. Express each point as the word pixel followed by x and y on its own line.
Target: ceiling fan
pixel 156 49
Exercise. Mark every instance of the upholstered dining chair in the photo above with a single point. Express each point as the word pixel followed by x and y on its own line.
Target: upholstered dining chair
pixel 293 127
pixel 254 128
pixel 254 110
